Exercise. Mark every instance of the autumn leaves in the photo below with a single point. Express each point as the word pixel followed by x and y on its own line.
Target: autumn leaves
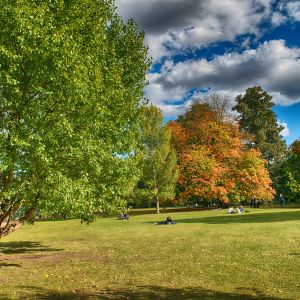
pixel 213 160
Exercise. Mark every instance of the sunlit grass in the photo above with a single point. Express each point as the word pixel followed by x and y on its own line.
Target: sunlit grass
pixel 206 255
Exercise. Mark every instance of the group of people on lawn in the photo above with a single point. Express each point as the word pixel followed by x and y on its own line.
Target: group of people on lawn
pixel 236 210
pixel 231 210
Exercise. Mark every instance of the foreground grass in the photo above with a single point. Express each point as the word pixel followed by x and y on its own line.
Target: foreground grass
pixel 206 255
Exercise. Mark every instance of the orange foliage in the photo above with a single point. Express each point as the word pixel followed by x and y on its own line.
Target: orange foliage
pixel 295 147
pixel 213 162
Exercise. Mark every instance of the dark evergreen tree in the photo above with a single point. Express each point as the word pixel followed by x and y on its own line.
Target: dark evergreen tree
pixel 258 119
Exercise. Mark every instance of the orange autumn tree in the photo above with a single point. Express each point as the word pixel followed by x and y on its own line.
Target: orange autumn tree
pixel 213 163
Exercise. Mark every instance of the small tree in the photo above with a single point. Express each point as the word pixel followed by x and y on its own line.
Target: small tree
pixel 220 104
pixel 158 159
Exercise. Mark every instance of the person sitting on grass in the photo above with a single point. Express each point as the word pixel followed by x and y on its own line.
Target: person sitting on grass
pixel 169 220
pixel 242 209
pixel 236 210
pixel 230 210
pixel 124 216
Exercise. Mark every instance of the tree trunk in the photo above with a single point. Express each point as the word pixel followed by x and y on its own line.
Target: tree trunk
pixel 9 227
pixel 157 206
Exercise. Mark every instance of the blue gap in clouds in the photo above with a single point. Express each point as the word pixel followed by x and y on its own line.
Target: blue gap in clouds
pixel 209 52
pixel 187 96
pixel 291 116
pixel 290 32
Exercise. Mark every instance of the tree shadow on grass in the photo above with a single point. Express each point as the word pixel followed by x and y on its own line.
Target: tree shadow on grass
pixel 24 247
pixel 224 218
pixel 8 264
pixel 147 292
pixel 295 254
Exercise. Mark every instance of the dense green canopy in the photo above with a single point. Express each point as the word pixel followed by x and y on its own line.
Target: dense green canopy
pixel 71 80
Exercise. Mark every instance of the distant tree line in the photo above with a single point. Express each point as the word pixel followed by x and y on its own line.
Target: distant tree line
pixel 221 157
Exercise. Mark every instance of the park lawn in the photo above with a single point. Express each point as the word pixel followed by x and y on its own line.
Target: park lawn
pixel 206 255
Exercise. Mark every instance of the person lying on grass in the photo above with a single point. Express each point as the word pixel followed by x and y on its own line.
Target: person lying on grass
pixel 241 209
pixel 169 221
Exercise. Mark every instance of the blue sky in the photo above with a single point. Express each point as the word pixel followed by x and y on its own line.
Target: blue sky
pixel 200 47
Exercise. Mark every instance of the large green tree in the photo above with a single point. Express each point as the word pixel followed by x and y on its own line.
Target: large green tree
pixel 159 169
pixel 71 79
pixel 257 119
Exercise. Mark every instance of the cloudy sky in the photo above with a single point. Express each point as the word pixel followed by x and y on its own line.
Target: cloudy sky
pixel 225 46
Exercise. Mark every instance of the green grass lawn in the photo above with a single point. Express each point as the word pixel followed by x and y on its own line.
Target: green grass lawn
pixel 206 255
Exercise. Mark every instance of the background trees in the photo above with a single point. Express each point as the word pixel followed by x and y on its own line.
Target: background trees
pixel 258 120
pixel 287 173
pixel 158 161
pixel 214 164
pixel 71 79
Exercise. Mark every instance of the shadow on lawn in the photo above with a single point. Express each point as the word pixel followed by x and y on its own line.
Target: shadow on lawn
pixel 147 292
pixel 24 247
pixel 7 264
pixel 224 218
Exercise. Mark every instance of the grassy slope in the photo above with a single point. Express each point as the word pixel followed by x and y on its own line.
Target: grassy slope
pixel 207 255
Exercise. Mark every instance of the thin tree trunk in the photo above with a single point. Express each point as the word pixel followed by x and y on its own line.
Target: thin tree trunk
pixel 157 206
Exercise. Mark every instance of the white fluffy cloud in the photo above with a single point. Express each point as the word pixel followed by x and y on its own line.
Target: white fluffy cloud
pixel 293 9
pixel 278 18
pixel 180 24
pixel 285 132
pixel 272 65
pixel 157 93
pixel 177 26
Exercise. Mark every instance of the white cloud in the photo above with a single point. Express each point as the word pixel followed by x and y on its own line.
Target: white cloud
pixel 170 110
pixel 156 45
pixel 285 132
pixel 278 18
pixel 293 9
pixel 181 24
pixel 158 94
pixel 272 65
pixel 174 26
